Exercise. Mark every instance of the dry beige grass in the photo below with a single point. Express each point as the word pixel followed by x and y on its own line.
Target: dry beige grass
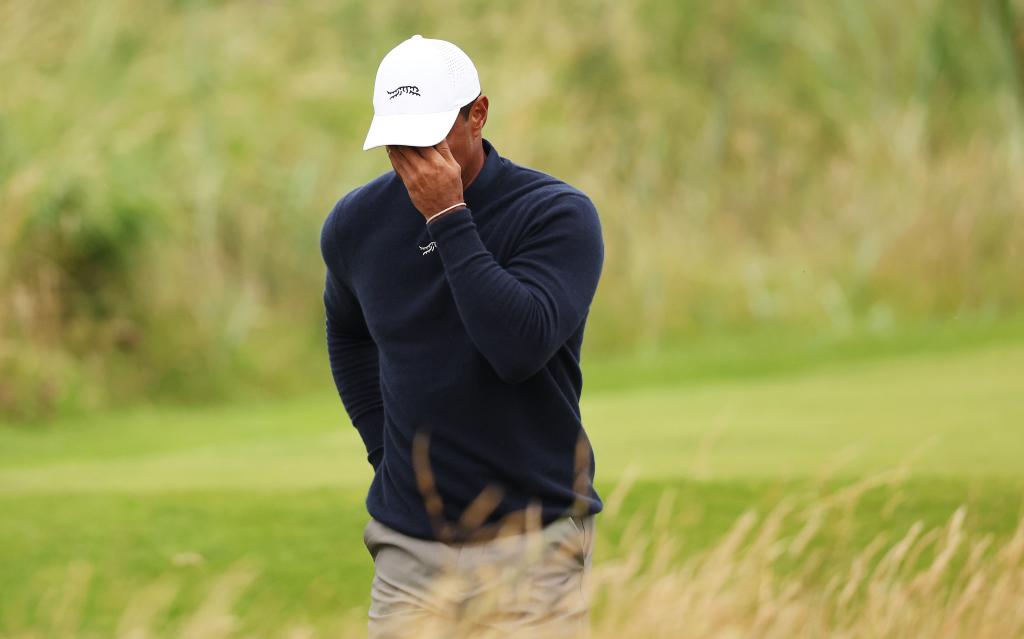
pixel 770 576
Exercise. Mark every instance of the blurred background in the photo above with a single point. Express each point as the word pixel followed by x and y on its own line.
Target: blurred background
pixel 814 223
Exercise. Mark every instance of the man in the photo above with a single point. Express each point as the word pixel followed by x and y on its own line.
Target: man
pixel 458 287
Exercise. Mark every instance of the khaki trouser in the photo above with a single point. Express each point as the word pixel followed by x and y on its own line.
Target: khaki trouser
pixel 531 584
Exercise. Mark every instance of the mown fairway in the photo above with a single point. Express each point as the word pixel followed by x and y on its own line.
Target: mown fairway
pixel 185 494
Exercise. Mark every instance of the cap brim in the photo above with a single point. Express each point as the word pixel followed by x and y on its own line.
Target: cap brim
pixel 414 129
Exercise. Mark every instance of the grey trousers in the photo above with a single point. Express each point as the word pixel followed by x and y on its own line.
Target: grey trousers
pixel 532 584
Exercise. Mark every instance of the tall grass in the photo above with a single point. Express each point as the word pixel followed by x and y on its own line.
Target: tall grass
pixel 793 571
pixel 164 168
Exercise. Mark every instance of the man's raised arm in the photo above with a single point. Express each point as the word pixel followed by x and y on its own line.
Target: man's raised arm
pixel 519 315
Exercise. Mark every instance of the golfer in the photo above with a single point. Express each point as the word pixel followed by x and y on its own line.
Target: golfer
pixel 458 287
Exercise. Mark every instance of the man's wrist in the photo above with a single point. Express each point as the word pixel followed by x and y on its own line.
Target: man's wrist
pixel 445 211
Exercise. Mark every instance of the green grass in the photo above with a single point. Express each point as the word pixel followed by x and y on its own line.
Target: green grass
pixel 945 409
pixel 185 494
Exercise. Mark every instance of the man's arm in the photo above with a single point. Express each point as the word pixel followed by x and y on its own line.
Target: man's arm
pixel 352 353
pixel 519 315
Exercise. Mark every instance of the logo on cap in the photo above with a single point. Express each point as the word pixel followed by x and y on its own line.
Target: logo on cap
pixel 403 90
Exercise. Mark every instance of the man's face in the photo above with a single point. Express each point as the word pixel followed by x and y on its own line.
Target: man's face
pixel 466 131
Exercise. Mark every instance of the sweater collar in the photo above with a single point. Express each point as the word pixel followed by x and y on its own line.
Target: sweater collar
pixel 485 178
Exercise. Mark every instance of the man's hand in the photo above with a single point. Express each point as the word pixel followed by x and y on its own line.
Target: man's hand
pixel 430 174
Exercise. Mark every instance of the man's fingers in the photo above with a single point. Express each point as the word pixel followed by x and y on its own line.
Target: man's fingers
pixel 406 159
pixel 427 154
pixel 411 157
pixel 410 153
pixel 441 151
pixel 394 157
pixel 412 161
pixel 400 164
pixel 446 152
pixel 432 154
pixel 397 152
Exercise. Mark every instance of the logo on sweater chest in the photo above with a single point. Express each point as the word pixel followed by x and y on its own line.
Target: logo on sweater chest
pixel 428 248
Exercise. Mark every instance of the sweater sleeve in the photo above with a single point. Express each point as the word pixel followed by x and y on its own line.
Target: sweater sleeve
pixel 353 355
pixel 520 314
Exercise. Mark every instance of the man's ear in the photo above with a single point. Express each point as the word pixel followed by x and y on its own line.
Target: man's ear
pixel 478 115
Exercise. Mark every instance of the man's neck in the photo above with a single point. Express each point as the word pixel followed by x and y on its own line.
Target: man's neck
pixel 474 166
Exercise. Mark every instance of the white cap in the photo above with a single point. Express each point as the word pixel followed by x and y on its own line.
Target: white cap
pixel 421 85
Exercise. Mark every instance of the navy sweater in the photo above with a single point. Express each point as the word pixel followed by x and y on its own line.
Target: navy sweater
pixel 466 330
